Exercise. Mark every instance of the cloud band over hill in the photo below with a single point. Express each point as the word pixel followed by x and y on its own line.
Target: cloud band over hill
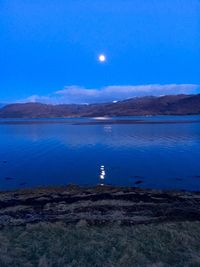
pixel 80 95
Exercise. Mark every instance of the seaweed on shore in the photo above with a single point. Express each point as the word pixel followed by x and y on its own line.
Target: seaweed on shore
pixel 97 205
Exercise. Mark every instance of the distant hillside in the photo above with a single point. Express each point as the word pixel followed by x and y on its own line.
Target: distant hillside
pixel 2 105
pixel 164 105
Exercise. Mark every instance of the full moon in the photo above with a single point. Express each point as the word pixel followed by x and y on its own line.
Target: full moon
pixel 102 58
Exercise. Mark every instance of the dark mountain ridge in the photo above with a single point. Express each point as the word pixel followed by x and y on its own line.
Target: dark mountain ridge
pixel 163 105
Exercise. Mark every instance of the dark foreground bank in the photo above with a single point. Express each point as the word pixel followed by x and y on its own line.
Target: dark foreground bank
pixel 100 226
pixel 174 244
pixel 97 206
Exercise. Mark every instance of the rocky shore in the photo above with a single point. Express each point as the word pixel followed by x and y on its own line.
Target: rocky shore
pixel 97 206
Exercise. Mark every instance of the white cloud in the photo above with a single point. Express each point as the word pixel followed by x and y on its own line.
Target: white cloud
pixel 77 94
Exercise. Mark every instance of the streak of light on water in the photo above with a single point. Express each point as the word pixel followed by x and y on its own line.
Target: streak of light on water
pixel 102 175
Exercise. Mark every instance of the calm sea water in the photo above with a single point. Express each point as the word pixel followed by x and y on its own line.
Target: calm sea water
pixel 56 152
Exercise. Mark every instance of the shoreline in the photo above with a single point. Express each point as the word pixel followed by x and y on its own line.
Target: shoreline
pixel 99 205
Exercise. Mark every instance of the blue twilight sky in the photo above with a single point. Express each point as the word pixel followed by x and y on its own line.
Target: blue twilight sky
pixel 49 49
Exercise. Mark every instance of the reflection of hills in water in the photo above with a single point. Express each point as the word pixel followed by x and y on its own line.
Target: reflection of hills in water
pixel 142 135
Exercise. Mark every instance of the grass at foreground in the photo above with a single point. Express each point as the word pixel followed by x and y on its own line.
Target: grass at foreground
pixel 60 245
